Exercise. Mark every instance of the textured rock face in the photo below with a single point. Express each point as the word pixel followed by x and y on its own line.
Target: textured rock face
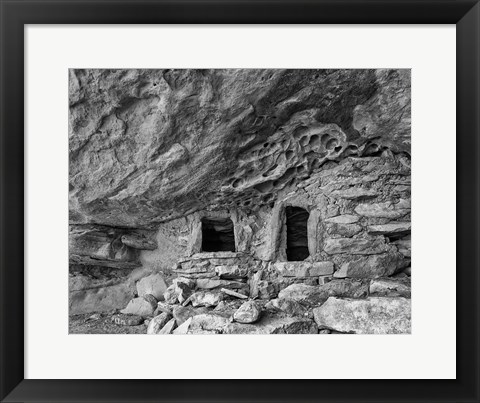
pixel 317 295
pixel 95 289
pixel 100 299
pixel 149 145
pixel 372 315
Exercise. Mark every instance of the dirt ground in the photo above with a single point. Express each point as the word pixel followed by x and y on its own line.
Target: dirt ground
pixel 100 324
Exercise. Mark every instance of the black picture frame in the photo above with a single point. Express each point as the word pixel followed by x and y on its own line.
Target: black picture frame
pixel 15 14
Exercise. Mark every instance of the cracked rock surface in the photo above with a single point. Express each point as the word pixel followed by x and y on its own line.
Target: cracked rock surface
pixel 151 145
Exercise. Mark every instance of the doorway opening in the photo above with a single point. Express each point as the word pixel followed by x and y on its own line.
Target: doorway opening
pixel 297 238
pixel 217 235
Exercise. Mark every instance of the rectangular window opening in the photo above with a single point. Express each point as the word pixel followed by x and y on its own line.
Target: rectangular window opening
pixel 217 235
pixel 297 237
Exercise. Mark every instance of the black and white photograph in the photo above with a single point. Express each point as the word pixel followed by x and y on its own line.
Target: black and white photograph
pixel 239 201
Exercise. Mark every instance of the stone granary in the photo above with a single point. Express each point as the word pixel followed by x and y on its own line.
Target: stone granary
pixel 241 201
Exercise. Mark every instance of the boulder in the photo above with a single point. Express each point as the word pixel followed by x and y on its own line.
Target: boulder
pixel 374 315
pixel 316 295
pixel 142 306
pixel 153 284
pixel 206 298
pixel 208 324
pixel 215 255
pixel 233 293
pixel 288 306
pixel 391 287
pixel 249 312
pixel 343 219
pixel 158 323
pixel 127 320
pixel 374 266
pixel 227 308
pixel 100 299
pixel 303 293
pixel 354 193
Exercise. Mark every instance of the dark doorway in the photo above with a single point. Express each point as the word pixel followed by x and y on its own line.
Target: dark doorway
pixel 217 235
pixel 297 238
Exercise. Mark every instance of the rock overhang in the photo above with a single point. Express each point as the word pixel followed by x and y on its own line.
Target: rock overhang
pixel 147 146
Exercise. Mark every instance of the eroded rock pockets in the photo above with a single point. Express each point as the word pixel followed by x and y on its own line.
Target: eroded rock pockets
pixel 152 145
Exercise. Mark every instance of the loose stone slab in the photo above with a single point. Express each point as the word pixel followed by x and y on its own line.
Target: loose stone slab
pixel 390 228
pixel 343 219
pixel 249 312
pixel 229 272
pixel 304 269
pixel 208 324
pixel 316 295
pixel 215 255
pixel 374 315
pixel 391 287
pixel 127 320
pixel 194 270
pixel 354 193
pixel 206 298
pixel 344 230
pixel 374 266
pixel 100 299
pixel 355 246
pixel 288 306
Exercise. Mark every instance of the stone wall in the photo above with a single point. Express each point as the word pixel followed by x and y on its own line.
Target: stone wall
pixel 359 216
